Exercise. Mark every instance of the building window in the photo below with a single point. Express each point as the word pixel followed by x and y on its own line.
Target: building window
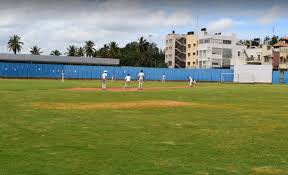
pixel 194 62
pixel 227 42
pixel 194 44
pixel 166 41
pixel 197 52
pixel 258 57
pixel 266 59
pixel 188 63
pixel 238 53
pixel 189 54
pixel 216 51
pixel 194 53
pixel 169 63
pixel 189 45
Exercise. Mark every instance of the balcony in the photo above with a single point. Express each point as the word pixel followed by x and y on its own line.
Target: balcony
pixel 283 66
pixel 253 60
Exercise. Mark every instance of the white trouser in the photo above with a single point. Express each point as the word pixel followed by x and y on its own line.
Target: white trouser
pixel 140 85
pixel 103 84
pixel 190 83
pixel 127 84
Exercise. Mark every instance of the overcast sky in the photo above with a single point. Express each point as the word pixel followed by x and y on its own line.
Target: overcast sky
pixel 56 24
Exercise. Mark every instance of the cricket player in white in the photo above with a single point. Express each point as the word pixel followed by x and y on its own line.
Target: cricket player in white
pixel 127 81
pixel 141 79
pixel 62 75
pixel 190 80
pixel 104 78
pixel 163 78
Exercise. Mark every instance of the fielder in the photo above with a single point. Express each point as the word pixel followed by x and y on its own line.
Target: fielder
pixel 104 78
pixel 163 78
pixel 190 80
pixel 140 79
pixel 62 75
pixel 127 81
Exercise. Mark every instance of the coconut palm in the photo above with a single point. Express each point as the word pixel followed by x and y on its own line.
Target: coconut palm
pixel 15 44
pixel 35 50
pixel 114 50
pixel 143 45
pixel 89 48
pixel 71 51
pixel 55 53
pixel 80 52
pixel 103 52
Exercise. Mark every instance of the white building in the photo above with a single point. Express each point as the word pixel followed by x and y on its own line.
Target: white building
pixel 218 51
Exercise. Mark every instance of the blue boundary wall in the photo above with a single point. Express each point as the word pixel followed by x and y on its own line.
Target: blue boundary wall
pixel 32 70
pixel 286 77
pixel 276 77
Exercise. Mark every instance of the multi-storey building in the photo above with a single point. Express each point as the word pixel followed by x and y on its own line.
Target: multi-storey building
pixel 191 50
pixel 217 50
pixel 180 50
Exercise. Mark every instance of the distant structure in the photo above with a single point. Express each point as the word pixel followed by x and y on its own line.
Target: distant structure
pixel 47 59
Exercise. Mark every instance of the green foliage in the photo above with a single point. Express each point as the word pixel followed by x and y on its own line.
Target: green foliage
pixel 89 48
pixel 80 52
pixel 35 50
pixel 15 44
pixel 55 53
pixel 274 40
pixel 71 51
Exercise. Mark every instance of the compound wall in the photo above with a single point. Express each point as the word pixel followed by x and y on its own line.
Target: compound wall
pixel 253 73
pixel 31 70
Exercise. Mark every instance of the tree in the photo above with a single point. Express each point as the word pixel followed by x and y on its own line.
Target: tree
pixel 267 38
pixel 55 53
pixel 103 52
pixel 35 50
pixel 89 48
pixel 142 47
pixel 113 50
pixel 15 44
pixel 71 51
pixel 274 40
pixel 80 52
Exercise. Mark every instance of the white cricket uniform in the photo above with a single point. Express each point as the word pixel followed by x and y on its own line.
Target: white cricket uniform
pixel 190 79
pixel 163 78
pixel 127 81
pixel 104 78
pixel 140 79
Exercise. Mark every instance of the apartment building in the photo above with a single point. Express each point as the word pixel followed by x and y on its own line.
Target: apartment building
pixel 280 54
pixel 191 50
pixel 181 50
pixel 217 50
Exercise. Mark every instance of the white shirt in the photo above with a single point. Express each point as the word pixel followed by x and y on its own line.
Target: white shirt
pixel 104 76
pixel 190 79
pixel 141 76
pixel 128 78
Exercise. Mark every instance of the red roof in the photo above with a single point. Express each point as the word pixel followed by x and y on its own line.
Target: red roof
pixel 280 44
pixel 285 38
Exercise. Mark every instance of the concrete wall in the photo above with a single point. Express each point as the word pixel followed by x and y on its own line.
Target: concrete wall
pixel 253 73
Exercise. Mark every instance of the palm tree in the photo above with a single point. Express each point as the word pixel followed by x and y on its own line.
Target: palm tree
pixel 114 50
pixel 142 47
pixel 89 48
pixel 103 52
pixel 71 51
pixel 15 44
pixel 55 53
pixel 80 52
pixel 35 50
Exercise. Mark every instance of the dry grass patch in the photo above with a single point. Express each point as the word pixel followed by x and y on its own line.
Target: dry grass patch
pixel 267 171
pixel 112 105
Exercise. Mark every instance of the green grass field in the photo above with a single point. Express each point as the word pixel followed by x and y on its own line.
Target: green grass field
pixel 229 129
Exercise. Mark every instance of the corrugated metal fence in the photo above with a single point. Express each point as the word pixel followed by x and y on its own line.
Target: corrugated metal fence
pixel 27 70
